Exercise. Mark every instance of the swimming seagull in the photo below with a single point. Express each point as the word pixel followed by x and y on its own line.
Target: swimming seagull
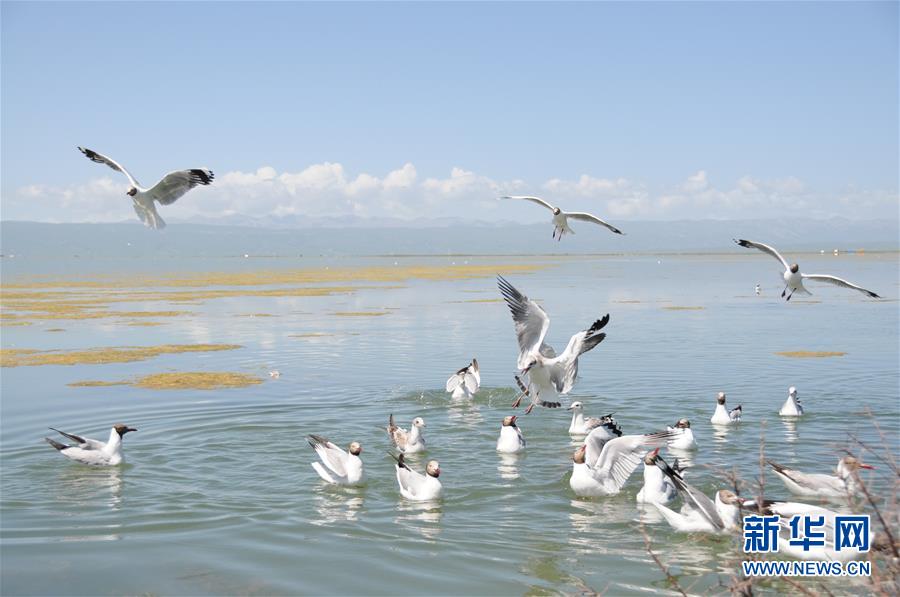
pixel 602 465
pixel 657 487
pixel 582 425
pixel 337 467
pixel 410 441
pixel 725 417
pixel 793 279
pixel 167 191
pixel 561 218
pixel 548 374
pixel 416 486
pixel 791 406
pixel 699 513
pixel 465 382
pixel 511 439
pixel 92 451
pixel 683 437
pixel 843 483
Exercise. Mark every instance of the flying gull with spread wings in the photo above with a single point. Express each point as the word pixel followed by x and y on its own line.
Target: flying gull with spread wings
pixel 561 218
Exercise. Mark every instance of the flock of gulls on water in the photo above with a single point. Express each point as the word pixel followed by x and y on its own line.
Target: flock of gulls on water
pixel 605 460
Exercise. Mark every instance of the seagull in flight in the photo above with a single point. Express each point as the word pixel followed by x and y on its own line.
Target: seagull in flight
pixel 561 218
pixel 793 279
pixel 167 191
pixel 548 374
pixel 92 451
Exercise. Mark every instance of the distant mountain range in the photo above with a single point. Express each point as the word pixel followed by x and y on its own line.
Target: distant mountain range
pixel 359 236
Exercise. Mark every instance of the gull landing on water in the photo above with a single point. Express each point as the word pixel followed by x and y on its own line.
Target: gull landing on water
pixel 337 467
pixel 416 486
pixel 410 441
pixel 561 218
pixel 548 374
pixel 793 279
pixel 723 416
pixel 92 451
pixel 465 382
pixel 167 191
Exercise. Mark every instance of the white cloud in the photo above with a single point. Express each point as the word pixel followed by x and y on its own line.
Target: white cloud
pixel 328 189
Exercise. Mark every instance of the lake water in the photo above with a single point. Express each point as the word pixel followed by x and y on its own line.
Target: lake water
pixel 218 495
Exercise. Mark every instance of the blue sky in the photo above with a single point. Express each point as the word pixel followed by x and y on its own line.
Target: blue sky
pixel 635 111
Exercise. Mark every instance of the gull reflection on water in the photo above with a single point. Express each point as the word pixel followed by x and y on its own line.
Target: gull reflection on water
pixel 594 523
pixel 464 411
pixel 685 458
pixel 790 429
pixel 423 518
pixel 83 485
pixel 720 433
pixel 508 466
pixel 337 504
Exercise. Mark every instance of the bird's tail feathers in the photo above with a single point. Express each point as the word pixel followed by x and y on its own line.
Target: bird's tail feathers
pixel 55 444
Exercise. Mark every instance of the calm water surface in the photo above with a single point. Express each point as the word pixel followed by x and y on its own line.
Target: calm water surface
pixel 218 495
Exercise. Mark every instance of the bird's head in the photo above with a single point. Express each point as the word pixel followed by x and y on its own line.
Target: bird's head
pixel 721 398
pixel 556 211
pixel 509 421
pixel 792 391
pixel 123 429
pixel 419 422
pixel 433 468
pixel 576 406
pixel 651 457
pixel 355 448
pixel 578 456
pixel 683 424
pixel 132 192
pixel 728 497
pixel 795 268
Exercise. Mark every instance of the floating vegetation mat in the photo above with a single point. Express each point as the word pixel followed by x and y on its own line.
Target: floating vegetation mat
pixel 55 330
pixel 11 357
pixel 97 384
pixel 675 308
pixel 810 354
pixel 196 380
pixel 360 313
pixel 145 324
pixel 42 299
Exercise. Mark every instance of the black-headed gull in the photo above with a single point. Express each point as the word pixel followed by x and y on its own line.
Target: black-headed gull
pixel 92 451
pixel 699 513
pixel 511 439
pixel 791 406
pixel 682 436
pixel 167 191
pixel 722 416
pixel 840 485
pixel 465 382
pixel 793 279
pixel 416 486
pixel 548 374
pixel 657 487
pixel 581 425
pixel 337 467
pixel 602 465
pixel 561 218
pixel 410 441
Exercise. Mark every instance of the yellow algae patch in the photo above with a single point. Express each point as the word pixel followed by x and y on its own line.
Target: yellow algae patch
pixel 684 308
pixel 310 335
pixel 55 330
pixel 8 322
pixel 100 356
pixel 360 313
pixel 196 380
pixel 810 354
pixel 143 323
pixel 97 384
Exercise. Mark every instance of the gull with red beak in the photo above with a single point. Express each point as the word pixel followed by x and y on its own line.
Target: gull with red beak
pixel 548 374
pixel 92 451
pixel 511 439
pixel 840 485
pixel 416 486
pixel 337 467
pixel 602 465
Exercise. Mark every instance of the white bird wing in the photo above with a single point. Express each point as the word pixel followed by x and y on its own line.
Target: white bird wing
pixel 410 481
pixel 620 456
pixel 838 282
pixel 586 217
pixel 765 249
pixel 594 443
pixel 694 499
pixel 531 321
pixel 537 200
pixel 333 457
pixel 102 159
pixel 85 443
pixel 454 381
pixel 564 377
pixel 471 383
pixel 175 184
pixel 148 215
pixel 473 368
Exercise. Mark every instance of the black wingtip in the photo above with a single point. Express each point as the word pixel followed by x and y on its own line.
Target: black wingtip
pixel 316 440
pixel 56 444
